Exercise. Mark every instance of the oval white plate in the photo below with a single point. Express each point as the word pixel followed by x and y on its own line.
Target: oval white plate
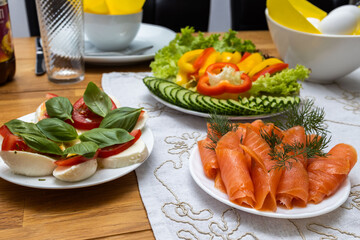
pixel 311 210
pixel 50 182
pixel 206 115
pixel 148 34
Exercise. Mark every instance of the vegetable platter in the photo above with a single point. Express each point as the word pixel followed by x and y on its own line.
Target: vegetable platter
pixel 224 75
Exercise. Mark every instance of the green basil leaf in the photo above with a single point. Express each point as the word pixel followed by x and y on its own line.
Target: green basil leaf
pixel 41 144
pixel 57 130
pixel 124 117
pixel 106 137
pixel 98 101
pixel 59 107
pixel 86 149
pixel 17 127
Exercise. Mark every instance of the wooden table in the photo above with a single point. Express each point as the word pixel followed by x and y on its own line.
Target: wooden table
pixel 112 210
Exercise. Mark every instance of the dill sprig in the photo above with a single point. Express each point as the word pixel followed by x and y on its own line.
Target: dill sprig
pixel 304 114
pixel 312 119
pixel 219 126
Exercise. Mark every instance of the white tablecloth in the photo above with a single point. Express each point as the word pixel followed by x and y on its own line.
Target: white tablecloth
pixel 178 209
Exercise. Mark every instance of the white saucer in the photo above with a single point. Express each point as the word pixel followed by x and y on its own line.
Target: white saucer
pixel 148 34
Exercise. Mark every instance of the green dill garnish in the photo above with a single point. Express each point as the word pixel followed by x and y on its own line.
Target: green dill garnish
pixel 42 179
pixel 305 114
pixel 219 126
pixel 312 119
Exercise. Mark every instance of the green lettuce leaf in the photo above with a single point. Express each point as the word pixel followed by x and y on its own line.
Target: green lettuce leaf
pixel 284 83
pixel 165 60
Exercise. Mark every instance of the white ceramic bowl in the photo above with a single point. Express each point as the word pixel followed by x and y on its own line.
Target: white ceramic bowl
pixel 329 57
pixel 112 32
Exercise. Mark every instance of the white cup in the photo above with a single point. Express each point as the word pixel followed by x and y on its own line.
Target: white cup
pixel 112 32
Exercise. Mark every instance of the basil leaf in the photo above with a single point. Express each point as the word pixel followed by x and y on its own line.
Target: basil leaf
pixel 86 149
pixel 124 117
pixel 17 127
pixel 106 137
pixel 98 101
pixel 57 130
pixel 41 144
pixel 59 107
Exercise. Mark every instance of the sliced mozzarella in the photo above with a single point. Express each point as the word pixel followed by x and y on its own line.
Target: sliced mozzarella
pixel 76 172
pixel 28 164
pixel 137 153
pixel 141 123
pixel 40 112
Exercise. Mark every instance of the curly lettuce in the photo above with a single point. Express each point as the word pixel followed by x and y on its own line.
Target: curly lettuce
pixel 284 83
pixel 165 60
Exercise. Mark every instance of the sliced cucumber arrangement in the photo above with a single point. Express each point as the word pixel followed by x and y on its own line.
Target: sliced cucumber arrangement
pixel 185 98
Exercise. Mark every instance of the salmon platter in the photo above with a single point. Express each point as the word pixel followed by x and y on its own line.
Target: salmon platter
pixel 278 169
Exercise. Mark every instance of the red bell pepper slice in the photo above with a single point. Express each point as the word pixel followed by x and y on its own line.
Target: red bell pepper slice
pixel 205 88
pixel 245 55
pixel 200 61
pixel 271 70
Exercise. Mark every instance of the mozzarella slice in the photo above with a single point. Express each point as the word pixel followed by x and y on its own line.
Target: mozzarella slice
pixel 141 123
pixel 76 172
pixel 28 164
pixel 137 153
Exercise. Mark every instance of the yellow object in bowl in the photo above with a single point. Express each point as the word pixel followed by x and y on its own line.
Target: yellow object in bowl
pixel 113 7
pixel 294 13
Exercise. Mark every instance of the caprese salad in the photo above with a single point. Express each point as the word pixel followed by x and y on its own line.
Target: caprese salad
pixel 72 141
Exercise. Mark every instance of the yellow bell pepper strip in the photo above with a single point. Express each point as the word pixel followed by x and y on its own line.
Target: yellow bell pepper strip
pixel 249 62
pixel 229 57
pixel 186 61
pixel 210 60
pixel 181 78
pixel 223 86
pixel 271 70
pixel 264 64
pixel 235 57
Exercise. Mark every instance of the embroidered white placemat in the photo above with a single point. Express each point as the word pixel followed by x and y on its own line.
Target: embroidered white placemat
pixel 178 209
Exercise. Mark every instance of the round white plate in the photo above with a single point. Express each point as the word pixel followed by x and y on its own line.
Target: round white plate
pixel 148 34
pixel 50 182
pixel 311 210
pixel 206 115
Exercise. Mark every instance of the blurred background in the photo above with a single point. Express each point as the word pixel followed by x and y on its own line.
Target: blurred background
pixel 219 19
pixel 203 15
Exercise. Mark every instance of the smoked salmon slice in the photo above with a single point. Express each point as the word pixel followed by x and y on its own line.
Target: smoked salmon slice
pixel 208 158
pixel 326 174
pixel 293 187
pixel 219 184
pixel 265 180
pixel 236 176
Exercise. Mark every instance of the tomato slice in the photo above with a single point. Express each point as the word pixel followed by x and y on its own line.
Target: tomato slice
pixel 118 148
pixel 14 143
pixel 4 131
pixel 71 161
pixel 50 95
pixel 84 118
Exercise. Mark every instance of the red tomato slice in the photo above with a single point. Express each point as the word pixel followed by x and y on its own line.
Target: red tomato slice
pixel 118 148
pixel 84 118
pixel 74 160
pixel 4 131
pixel 50 95
pixel 14 143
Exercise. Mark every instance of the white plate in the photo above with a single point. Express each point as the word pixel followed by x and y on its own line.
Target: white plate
pixel 148 34
pixel 50 182
pixel 311 210
pixel 206 115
